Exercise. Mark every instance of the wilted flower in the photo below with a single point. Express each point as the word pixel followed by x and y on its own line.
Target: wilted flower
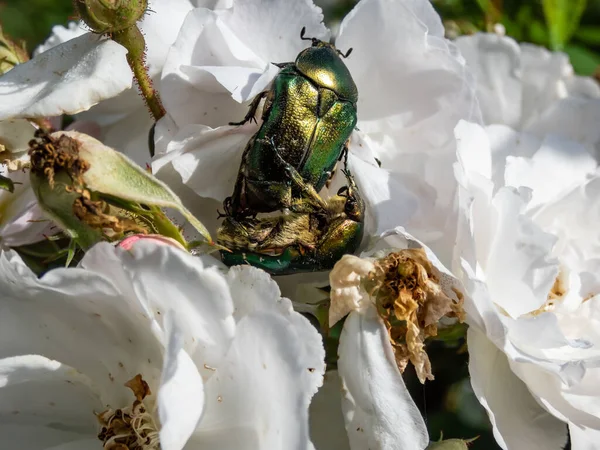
pixel 153 348
pixel 531 210
pixel 395 295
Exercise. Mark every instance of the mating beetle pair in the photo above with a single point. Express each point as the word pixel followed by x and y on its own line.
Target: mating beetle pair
pixel 308 116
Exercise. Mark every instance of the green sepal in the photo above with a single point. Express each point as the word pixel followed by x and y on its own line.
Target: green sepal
pixel 57 203
pixel 114 174
pixel 53 252
pixel 7 184
pixel 451 444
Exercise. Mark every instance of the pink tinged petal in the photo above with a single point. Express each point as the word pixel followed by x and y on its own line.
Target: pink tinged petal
pixel 379 412
pixel 66 79
pixel 520 271
pixel 327 427
pixel 583 438
pixel 519 421
pixel 207 160
pixel 495 62
pixel 258 397
pixel 157 239
pixel 181 392
pixel 559 165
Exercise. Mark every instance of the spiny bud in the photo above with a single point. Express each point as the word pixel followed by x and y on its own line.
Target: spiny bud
pixel 110 16
pixel 11 54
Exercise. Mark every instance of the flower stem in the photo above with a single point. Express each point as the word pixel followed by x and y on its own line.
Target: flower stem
pixel 133 40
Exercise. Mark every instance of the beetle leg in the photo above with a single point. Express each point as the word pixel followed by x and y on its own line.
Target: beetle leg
pixel 308 191
pixel 283 65
pixel 344 153
pixel 251 115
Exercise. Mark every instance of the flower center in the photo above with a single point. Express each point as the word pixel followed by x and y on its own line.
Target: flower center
pixel 410 300
pixel 557 292
pixel 133 427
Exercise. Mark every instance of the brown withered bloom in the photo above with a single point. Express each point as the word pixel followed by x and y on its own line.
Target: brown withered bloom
pixel 409 293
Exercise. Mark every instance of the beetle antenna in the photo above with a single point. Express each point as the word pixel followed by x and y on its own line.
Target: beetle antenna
pixel 315 41
pixel 346 54
pixel 302 35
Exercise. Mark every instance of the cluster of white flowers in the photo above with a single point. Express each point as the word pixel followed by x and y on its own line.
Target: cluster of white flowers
pixel 477 161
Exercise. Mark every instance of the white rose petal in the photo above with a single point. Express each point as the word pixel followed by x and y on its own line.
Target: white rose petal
pixel 177 320
pixel 66 79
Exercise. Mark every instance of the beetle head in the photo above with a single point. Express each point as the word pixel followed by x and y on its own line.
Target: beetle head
pixel 319 43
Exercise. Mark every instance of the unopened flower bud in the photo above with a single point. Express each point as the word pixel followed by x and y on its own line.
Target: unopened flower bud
pixel 96 193
pixel 110 16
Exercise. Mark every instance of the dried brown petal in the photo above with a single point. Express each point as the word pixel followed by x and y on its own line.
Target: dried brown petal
pixel 411 300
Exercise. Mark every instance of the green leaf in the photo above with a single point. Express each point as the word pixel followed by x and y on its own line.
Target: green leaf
pixel 562 19
pixel 6 184
pixel 584 61
pixel 588 35
pixel 538 33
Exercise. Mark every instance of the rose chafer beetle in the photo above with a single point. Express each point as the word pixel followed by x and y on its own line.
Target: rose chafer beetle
pixel 308 116
pixel 308 241
pixel 309 113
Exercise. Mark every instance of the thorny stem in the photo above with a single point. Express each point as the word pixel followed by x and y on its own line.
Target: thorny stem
pixel 133 40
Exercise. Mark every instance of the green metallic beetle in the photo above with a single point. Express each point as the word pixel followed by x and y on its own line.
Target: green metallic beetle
pixel 308 241
pixel 309 113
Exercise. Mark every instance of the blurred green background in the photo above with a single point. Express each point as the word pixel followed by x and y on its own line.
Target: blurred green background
pixel 572 26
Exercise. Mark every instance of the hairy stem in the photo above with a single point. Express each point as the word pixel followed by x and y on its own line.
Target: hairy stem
pixel 133 40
